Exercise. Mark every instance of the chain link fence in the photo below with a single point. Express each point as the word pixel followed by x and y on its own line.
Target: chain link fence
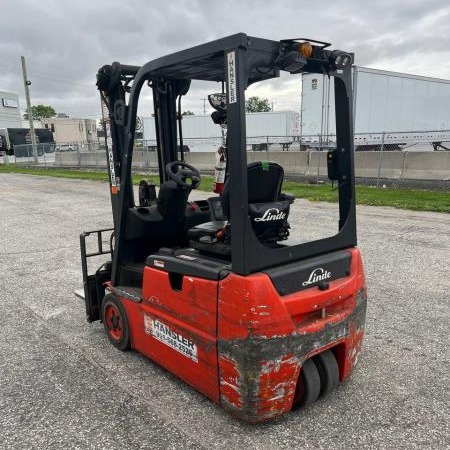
pixel 383 160
pixel 386 169
pixel 47 153
pixel 403 160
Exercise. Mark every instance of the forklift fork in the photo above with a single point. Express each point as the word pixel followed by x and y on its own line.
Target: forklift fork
pixel 93 284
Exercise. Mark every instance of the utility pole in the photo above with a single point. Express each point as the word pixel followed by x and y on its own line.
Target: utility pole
pixel 26 84
pixel 204 105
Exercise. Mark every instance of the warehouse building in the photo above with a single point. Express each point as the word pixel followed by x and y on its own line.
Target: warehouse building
pixel 9 110
pixel 68 129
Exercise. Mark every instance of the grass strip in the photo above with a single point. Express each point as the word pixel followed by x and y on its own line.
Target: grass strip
pixel 417 200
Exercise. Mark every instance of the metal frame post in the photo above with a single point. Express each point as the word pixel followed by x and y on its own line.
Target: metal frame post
pixel 236 134
pixel 26 84
pixel 380 159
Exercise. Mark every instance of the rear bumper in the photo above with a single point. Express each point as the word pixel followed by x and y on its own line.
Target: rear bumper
pixel 258 371
pixel 258 376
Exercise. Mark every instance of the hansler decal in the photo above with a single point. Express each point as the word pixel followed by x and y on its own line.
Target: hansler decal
pixel 108 139
pixel 232 96
pixel 316 275
pixel 166 335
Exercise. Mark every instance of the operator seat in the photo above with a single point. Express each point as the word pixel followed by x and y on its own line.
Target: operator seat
pixel 171 201
pixel 268 209
pixel 173 193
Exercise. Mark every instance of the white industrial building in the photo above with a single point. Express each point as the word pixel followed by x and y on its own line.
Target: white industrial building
pixel 200 133
pixel 69 129
pixel 9 110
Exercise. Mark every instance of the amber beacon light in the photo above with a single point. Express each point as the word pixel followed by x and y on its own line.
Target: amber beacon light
pixel 306 49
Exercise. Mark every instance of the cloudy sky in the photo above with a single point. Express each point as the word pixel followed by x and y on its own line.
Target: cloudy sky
pixel 65 42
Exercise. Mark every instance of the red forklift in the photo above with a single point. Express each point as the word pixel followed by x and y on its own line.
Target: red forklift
pixel 216 290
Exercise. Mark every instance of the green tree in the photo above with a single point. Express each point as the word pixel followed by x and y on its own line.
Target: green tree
pixel 41 112
pixel 101 124
pixel 187 113
pixel 257 104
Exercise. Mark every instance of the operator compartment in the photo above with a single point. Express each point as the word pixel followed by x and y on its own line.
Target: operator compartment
pixel 268 211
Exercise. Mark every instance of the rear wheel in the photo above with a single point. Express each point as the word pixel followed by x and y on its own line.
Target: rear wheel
pixel 115 322
pixel 308 385
pixel 328 369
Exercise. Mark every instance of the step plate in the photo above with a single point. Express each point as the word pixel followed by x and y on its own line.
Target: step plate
pixel 79 293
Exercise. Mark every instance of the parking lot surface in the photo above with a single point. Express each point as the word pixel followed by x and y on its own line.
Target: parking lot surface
pixel 62 385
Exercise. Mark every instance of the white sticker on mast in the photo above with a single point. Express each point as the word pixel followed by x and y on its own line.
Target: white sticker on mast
pixel 108 138
pixel 232 98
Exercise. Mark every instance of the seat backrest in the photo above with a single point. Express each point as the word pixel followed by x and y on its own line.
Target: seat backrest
pixel 172 199
pixel 268 212
pixel 264 181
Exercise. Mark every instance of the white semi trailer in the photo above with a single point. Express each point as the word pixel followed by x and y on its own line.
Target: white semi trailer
pixel 200 133
pixel 395 109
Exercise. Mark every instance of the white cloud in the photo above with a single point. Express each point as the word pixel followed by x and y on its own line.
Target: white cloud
pixel 66 42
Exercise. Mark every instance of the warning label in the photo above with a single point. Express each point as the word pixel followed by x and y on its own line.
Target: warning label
pixel 166 335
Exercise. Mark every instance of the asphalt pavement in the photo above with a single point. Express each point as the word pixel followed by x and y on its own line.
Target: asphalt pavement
pixel 63 386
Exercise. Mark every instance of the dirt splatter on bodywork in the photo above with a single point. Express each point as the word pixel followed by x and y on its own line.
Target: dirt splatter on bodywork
pixel 260 355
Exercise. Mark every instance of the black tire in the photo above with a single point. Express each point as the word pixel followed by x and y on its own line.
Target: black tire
pixel 328 369
pixel 308 385
pixel 115 321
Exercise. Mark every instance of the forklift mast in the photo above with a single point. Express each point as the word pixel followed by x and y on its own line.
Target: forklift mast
pixel 113 83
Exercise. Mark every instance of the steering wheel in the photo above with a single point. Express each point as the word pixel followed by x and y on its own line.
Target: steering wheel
pixel 180 172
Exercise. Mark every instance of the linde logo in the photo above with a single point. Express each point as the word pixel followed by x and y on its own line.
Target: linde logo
pixel 316 275
pixel 271 214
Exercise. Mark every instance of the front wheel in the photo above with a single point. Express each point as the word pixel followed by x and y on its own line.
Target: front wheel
pixel 115 321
